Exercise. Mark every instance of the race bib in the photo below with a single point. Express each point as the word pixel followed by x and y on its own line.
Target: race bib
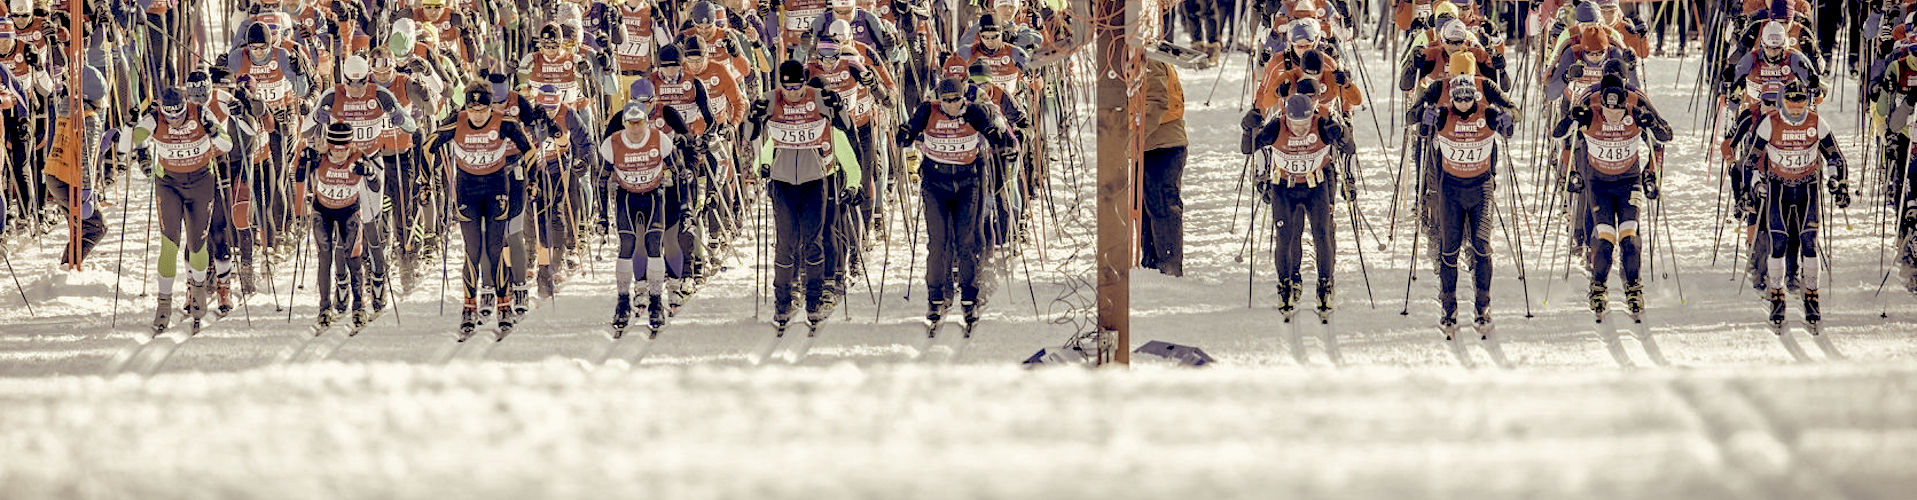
pixel 274 91
pixel 800 135
pixel 633 49
pixel 802 20
pixel 1792 162
pixel 638 177
pixel 950 145
pixel 479 158
pixel 1465 154
pixel 335 192
pixel 1300 163
pixel 1612 154
pixel 367 130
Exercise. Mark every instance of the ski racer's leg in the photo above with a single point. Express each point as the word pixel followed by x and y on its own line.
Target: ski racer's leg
pixel 1287 249
pixel 1318 208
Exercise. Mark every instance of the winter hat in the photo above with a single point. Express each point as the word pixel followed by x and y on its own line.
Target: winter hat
pixel 950 87
pixel 791 72
pixel 978 72
pixel 987 22
pixel 1299 107
pixel 355 68
pixel 1313 62
pixel 1463 88
pixel 478 94
pixel 1780 9
pixel 339 134
pixel 1585 13
pixel 172 97
pixel 668 55
pixel 641 88
pixel 701 13
pixel 257 34
pixel 6 28
pixel 549 95
pixel 1612 97
pixel 1771 92
pixel 1463 64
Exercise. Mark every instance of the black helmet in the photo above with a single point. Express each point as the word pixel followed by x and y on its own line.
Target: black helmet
pixel 950 87
pixel 1299 108
pixel 172 97
pixel 478 93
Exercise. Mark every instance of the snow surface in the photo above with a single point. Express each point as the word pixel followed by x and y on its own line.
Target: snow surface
pixel 227 418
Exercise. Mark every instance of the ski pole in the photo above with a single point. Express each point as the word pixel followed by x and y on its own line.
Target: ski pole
pixel 16 282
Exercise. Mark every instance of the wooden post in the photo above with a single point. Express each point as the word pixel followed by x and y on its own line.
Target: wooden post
pixel 1116 228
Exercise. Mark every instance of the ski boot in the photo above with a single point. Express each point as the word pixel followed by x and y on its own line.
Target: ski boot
pixel 680 291
pixel 1288 298
pixel 621 315
pixel 935 312
pixel 224 290
pixel 468 319
pixel 161 312
pixel 970 309
pixel 507 314
pixel 249 282
pixel 1600 299
pixel 521 300
pixel 1484 327
pixel 1326 298
pixel 781 312
pixel 1449 326
pixel 657 318
pixel 1777 309
pixel 1634 301
pixel 1813 312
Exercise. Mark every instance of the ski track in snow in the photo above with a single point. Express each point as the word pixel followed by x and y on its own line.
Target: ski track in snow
pixel 857 419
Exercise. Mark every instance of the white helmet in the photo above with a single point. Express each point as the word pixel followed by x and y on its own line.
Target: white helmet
pixel 839 30
pixel 1775 35
pixel 1455 30
pixel 355 68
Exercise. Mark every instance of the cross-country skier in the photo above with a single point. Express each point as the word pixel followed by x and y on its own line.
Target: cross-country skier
pixel 639 167
pixel 564 150
pixel 275 81
pixel 811 168
pixel 1299 151
pixel 181 141
pixel 338 178
pixel 1614 175
pixel 369 110
pixel 1791 150
pixel 481 152
pixel 1460 163
pixel 954 135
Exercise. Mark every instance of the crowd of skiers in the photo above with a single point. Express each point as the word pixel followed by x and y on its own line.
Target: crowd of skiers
pixel 374 130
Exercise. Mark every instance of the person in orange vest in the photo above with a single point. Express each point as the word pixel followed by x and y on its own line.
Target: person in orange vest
pixel 1461 157
pixel 1791 150
pixel 337 179
pixel 639 167
pixel 182 141
pixel 481 150
pixel 1301 150
pixel 953 134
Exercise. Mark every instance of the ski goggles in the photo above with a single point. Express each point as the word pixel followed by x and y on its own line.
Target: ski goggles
pixel 792 86
pixel 1464 94
pixel 173 111
pixel 952 98
pixel 702 22
pixel 1796 97
pixel 988 35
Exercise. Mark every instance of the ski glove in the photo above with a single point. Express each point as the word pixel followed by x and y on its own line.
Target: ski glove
pixel 1840 192
pixel 852 196
pixel 1910 216
pixel 1574 72
pixel 1573 182
pixel 760 108
pixel 1252 120
pixel 1350 189
pixel 1342 77
pixel 1650 184
pixel 1429 119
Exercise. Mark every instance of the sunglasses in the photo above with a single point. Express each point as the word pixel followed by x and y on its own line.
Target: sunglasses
pixel 795 86
pixel 702 22
pixel 173 110
pixel 642 99
pixel 357 81
pixel 1796 97
pixel 988 36
pixel 953 99
pixel 433 7
pixel 1454 42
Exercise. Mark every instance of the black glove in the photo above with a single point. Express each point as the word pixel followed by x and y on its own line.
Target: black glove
pixel 1760 192
pixel 1263 180
pixel 1023 122
pixel 702 146
pixel 904 138
pixel 1909 219
pixel 865 78
pixel 765 6
pixel 1342 77
pixel 1350 189
pixel 815 82
pixel 759 110
pixel 1007 156
pixel 765 171
pixel 1252 120
pixel 602 59
pixel 732 48
pixel 1501 121
pixel 1574 72
pixel 142 156
pixel 1840 192
pixel 832 100
pixel 852 196
pixel 1650 184
pixel 1573 181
